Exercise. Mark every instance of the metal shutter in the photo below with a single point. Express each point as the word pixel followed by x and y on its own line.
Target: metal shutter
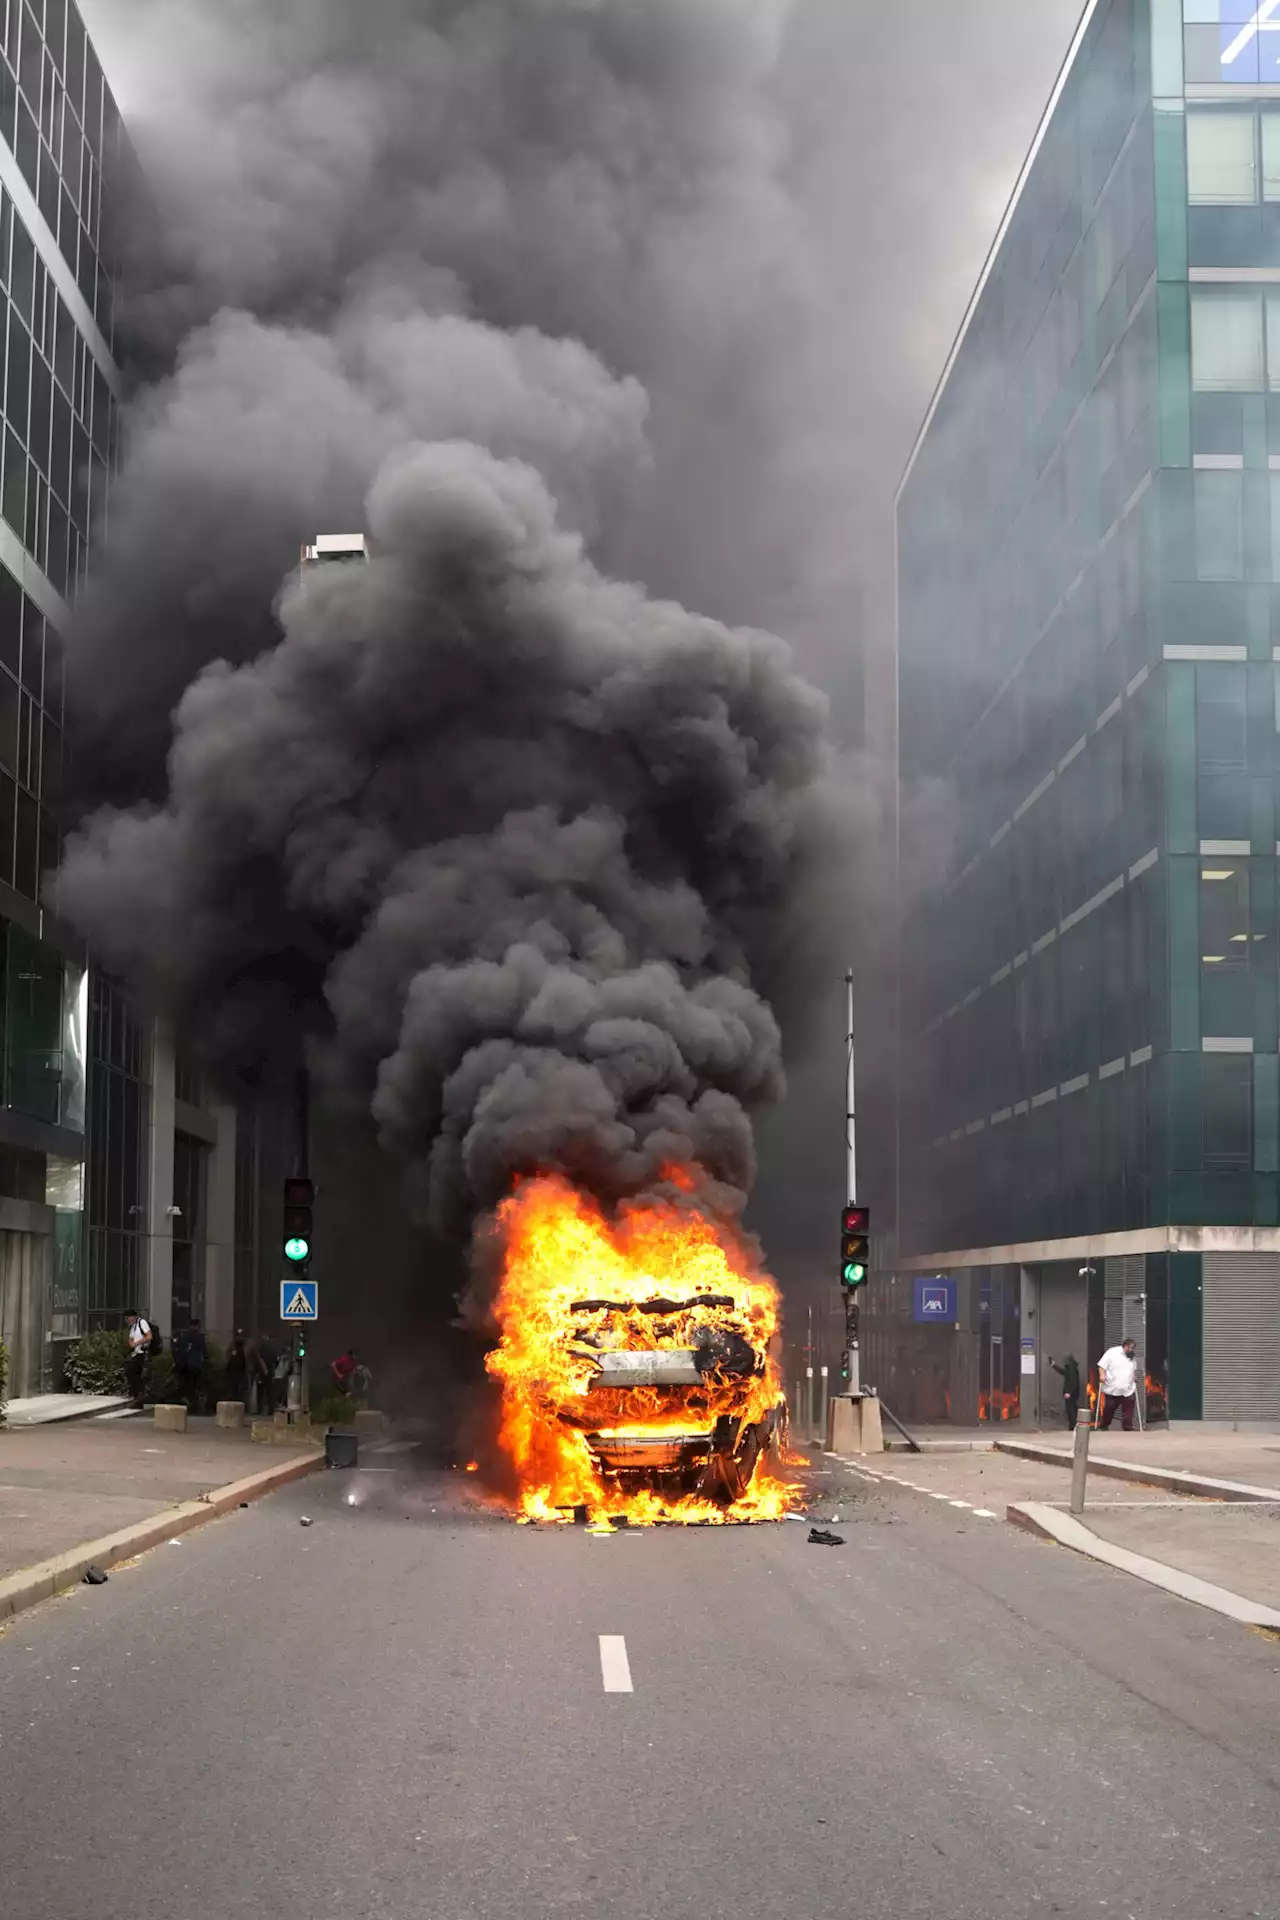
pixel 1124 1280
pixel 1242 1336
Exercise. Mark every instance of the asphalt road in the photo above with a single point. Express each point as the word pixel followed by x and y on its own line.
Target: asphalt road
pixel 401 1712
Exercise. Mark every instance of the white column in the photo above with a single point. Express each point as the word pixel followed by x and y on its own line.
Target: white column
pixel 220 1268
pixel 158 1279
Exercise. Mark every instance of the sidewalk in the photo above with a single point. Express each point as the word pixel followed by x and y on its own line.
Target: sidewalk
pixel 1252 1457
pixel 45 1408
pixel 64 1484
pixel 1231 1545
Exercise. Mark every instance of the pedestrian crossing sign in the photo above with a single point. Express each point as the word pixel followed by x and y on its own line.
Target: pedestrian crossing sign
pixel 299 1300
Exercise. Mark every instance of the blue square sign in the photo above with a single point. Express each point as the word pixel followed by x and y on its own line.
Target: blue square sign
pixel 935 1301
pixel 299 1300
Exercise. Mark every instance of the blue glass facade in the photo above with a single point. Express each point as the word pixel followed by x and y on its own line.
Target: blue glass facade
pixel 1089 639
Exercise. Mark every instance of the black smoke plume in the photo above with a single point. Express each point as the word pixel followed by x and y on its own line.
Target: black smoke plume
pixel 519 852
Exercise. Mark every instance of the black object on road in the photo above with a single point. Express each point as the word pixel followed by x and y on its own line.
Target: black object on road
pixel 341 1449
pixel 819 1538
pixel 94 1577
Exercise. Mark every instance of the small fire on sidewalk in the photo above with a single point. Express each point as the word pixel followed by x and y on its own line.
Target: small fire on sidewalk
pixel 635 1361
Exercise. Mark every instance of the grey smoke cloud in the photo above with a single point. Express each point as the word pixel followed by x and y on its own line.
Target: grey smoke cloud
pixel 700 221
pixel 514 839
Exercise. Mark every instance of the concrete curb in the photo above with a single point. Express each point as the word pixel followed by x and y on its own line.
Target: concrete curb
pixel 1047 1523
pixel 47 1577
pixel 1141 1476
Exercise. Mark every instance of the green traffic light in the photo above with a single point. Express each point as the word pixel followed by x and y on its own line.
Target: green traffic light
pixel 297 1250
pixel 854 1275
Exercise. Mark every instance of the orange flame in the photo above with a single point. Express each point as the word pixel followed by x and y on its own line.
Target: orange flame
pixel 996 1405
pixel 574 1289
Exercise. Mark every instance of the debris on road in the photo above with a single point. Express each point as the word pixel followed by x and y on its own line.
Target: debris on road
pixel 94 1577
pixel 305 1521
pixel 819 1538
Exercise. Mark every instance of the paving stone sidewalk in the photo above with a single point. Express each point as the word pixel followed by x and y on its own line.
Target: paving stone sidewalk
pixel 63 1484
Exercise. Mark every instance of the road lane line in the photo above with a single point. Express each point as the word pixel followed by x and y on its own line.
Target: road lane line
pixel 615 1668
pixel 960 1503
pixel 985 1513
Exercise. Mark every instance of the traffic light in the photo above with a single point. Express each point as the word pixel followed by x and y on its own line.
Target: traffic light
pixel 298 1196
pixel 855 1246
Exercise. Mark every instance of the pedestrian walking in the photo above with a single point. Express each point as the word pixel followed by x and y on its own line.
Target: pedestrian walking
pixel 135 1367
pixel 190 1351
pixel 1070 1371
pixel 258 1371
pixel 280 1379
pixel 344 1370
pixel 1118 1384
pixel 237 1368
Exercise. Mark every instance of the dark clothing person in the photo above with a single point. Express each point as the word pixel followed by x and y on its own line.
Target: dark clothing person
pixel 259 1373
pixel 1070 1371
pixel 190 1351
pixel 237 1370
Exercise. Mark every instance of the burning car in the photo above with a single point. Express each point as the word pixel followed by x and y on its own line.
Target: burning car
pixel 678 1399
pixel 636 1362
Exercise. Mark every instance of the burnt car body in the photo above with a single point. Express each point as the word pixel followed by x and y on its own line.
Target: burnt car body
pixel 674 1396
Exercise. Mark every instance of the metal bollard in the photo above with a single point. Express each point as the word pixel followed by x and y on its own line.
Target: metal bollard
pixel 1080 1459
pixel 824 1399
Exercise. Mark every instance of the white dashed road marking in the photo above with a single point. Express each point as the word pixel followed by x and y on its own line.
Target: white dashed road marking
pixel 615 1668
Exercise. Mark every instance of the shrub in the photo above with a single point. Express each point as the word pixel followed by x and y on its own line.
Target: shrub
pixel 161 1383
pixel 4 1378
pixel 96 1363
pixel 334 1409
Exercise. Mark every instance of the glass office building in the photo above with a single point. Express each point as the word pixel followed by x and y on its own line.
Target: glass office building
pixel 1089 664
pixel 118 1165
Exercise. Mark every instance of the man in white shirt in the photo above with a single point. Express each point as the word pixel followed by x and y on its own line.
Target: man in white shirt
pixel 135 1371
pixel 1118 1381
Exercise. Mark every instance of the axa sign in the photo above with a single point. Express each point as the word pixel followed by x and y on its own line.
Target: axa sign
pixel 1250 40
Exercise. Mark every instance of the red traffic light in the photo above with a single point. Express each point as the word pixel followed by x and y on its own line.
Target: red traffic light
pixel 298 1192
pixel 856 1219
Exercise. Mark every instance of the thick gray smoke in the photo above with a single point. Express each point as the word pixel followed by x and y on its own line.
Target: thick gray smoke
pixel 529 834
pixel 522 853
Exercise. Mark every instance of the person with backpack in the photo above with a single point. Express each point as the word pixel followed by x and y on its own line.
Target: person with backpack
pixel 190 1351
pixel 141 1338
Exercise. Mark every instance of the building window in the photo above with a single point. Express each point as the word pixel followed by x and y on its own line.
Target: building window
pixel 115 1146
pixel 1226 343
pixel 1219 526
pixel 1220 716
pixel 1227 1083
pixel 190 1164
pixel 1225 936
pixel 1222 162
pixel 1271 156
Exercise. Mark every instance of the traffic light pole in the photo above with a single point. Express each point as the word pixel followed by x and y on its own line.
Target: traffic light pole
pixel 852 1370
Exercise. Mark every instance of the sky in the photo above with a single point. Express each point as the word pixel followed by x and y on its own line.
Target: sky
pixel 909 124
